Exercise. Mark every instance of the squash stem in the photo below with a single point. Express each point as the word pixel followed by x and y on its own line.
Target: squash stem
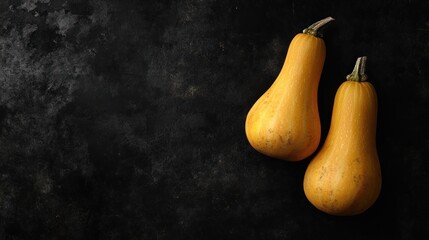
pixel 358 74
pixel 313 29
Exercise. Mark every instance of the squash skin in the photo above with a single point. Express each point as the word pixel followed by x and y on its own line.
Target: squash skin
pixel 344 178
pixel 284 122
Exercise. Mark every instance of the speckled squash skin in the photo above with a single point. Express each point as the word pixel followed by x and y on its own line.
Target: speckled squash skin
pixel 284 122
pixel 344 178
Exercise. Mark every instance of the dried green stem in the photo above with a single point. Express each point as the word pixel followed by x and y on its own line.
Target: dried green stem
pixel 358 73
pixel 314 28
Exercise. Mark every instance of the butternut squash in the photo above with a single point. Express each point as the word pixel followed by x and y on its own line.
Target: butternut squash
pixel 344 178
pixel 284 122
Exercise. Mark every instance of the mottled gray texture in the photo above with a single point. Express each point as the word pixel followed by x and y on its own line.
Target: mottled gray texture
pixel 125 119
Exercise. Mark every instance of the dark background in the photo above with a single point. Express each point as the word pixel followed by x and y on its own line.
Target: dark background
pixel 124 119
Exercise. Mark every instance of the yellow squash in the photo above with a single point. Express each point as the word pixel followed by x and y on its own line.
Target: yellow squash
pixel 344 178
pixel 284 122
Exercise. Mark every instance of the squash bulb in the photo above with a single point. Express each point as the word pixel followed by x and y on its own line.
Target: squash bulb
pixel 284 122
pixel 344 178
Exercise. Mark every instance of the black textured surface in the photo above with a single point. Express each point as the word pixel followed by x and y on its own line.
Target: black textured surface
pixel 125 119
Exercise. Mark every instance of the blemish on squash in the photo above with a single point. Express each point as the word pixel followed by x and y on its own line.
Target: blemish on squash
pixel 334 204
pixel 289 137
pixel 322 172
pixel 357 179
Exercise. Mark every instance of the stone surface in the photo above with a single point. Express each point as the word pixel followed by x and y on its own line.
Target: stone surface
pixel 125 119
